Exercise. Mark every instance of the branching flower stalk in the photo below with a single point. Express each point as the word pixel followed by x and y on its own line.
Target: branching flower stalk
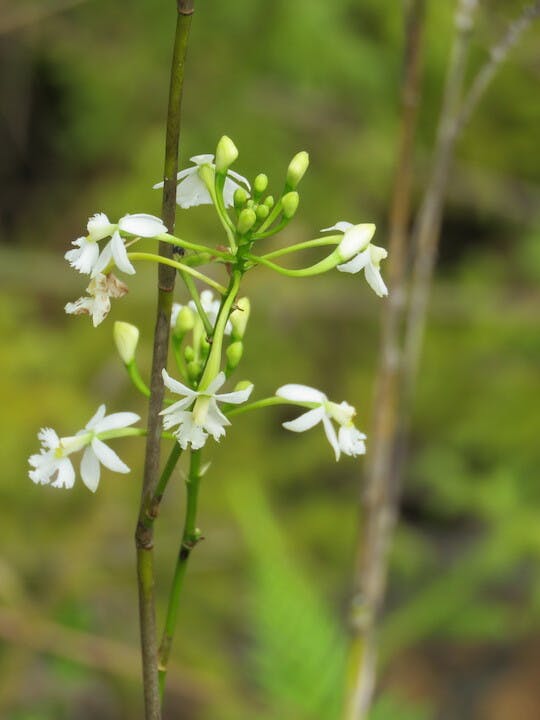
pixel 206 334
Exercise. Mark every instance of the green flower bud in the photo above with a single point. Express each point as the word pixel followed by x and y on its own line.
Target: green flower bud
pixel 297 168
pixel 240 198
pixel 234 354
pixel 262 212
pixel 194 370
pixel 239 318
pixel 226 154
pixel 260 184
pixel 246 221
pixel 185 321
pixel 126 337
pixel 290 204
pixel 269 201
pixel 189 353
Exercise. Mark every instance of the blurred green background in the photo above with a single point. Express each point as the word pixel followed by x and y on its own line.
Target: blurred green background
pixel 83 89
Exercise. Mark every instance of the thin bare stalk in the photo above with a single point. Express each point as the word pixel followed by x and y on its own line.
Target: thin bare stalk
pixel 497 56
pixel 378 506
pixel 428 224
pixel 190 537
pixel 144 535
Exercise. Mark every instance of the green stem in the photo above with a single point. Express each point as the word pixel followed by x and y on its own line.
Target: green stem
pixel 268 402
pixel 150 257
pixel 197 300
pixel 319 242
pixel 190 537
pixel 173 240
pixel 136 379
pixel 152 509
pixel 179 358
pixel 328 263
pixel 213 361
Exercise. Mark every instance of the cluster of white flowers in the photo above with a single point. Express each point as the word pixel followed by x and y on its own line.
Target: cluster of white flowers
pixel 52 466
pixel 89 259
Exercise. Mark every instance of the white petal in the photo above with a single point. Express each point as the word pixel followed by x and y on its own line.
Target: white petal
pixel 99 226
pixel 375 281
pixel 142 224
pixel 331 435
pixel 215 421
pixel 300 393
pixel 99 415
pixel 108 457
pixel 358 263
pixel 49 438
pixel 191 192
pixel 355 240
pixel 236 397
pixel 239 178
pixel 116 421
pixel 207 159
pixel 351 441
pixel 177 406
pixel 214 386
pixel 66 475
pixel 177 387
pixel 342 225
pixel 100 309
pixel 90 469
pixel 306 421
pixel 120 254
pixel 103 260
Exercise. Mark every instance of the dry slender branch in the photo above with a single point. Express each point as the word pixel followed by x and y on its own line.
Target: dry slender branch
pixel 378 506
pixel 497 56
pixel 104 655
pixel 144 536
pixel 427 228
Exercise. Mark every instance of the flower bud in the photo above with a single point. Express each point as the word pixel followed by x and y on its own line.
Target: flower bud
pixel 290 203
pixel 246 221
pixel 262 212
pixel 126 337
pixel 185 321
pixel 269 201
pixel 240 198
pixel 194 370
pixel 297 168
pixel 226 154
pixel 234 354
pixel 189 353
pixel 260 184
pixel 239 318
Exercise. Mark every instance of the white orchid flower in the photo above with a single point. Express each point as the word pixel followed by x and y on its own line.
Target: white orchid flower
pixel 98 303
pixel 86 256
pixel 53 460
pixel 197 415
pixel 97 451
pixel 348 439
pixel 192 191
pixel 359 253
pixel 210 305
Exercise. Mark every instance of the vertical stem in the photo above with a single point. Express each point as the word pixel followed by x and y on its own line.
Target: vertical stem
pixel 144 538
pixel 190 537
pixel 370 573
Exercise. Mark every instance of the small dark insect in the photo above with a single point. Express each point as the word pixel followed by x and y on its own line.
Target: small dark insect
pixel 177 250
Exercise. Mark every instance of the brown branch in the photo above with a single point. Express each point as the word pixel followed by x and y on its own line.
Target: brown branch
pixel 497 56
pixel 378 507
pixel 144 536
